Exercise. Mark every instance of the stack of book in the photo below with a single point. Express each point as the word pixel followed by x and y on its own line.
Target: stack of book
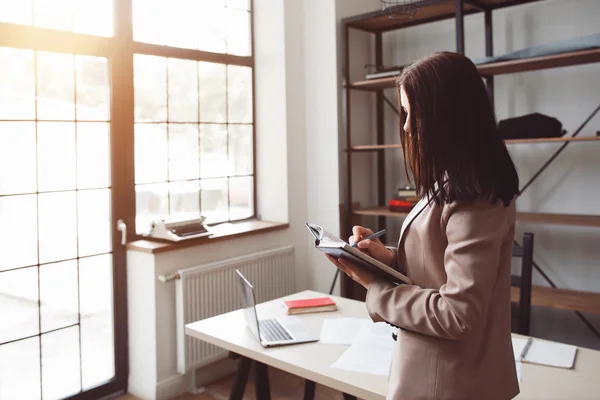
pixel 405 199
pixel 319 304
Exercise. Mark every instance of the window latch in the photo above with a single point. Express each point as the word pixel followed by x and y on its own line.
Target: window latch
pixel 122 227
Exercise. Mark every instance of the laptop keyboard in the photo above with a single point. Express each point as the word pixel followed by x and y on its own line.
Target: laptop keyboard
pixel 272 330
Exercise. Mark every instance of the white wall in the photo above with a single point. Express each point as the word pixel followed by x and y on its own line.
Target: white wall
pixel 570 255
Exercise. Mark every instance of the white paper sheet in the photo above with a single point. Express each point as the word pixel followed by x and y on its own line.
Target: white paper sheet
pixel 518 344
pixel 519 370
pixel 341 330
pixel 551 354
pixel 546 353
pixel 371 352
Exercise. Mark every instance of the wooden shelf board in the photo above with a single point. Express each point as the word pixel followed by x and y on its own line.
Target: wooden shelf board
pixel 425 11
pixel 560 219
pixel 555 140
pixel 561 298
pixel 373 147
pixel 379 211
pixel 376 147
pixel 535 218
pixel 537 63
pixel 504 67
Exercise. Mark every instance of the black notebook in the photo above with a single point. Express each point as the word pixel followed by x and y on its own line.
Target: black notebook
pixel 337 248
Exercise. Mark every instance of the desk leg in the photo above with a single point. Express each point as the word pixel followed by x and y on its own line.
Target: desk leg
pixel 261 377
pixel 309 390
pixel 349 397
pixel 241 378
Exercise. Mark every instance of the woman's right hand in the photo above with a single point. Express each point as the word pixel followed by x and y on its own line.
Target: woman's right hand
pixel 372 247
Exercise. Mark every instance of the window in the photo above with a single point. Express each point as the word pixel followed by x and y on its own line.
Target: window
pixel 55 190
pixel 193 118
pixel 109 110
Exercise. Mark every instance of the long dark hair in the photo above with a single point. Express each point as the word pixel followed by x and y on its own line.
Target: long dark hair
pixel 454 141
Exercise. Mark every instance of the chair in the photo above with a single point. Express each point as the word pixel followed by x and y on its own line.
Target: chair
pixel 521 311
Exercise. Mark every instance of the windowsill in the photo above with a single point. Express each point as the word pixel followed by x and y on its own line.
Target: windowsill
pixel 222 232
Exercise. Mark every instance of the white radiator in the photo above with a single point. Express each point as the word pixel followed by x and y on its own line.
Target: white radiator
pixel 211 289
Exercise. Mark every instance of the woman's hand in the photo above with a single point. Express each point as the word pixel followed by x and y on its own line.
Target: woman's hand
pixel 356 273
pixel 373 248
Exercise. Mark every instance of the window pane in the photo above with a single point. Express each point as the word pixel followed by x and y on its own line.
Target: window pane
pixel 239 4
pixel 240 150
pixel 16 12
pixel 152 202
pixel 97 347
pixel 151 153
pixel 183 90
pixel 150 82
pixel 19 304
pixel 93 155
pixel 58 226
pixel 214 200
pixel 17 157
pixel 212 26
pixel 92 88
pixel 181 22
pixel 241 197
pixel 93 219
pixel 58 295
pixel 213 150
pixel 183 151
pixel 147 15
pixel 94 17
pixel 213 92
pixel 55 14
pixel 17 84
pixel 18 216
pixel 56 86
pixel 239 94
pixel 184 200
pixel 56 156
pixel 21 376
pixel 60 363
pixel 238 32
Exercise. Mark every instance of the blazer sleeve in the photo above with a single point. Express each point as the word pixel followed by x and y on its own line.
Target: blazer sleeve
pixel 395 264
pixel 475 236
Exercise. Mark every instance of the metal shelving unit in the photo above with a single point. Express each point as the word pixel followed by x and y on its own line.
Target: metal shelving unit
pixel 425 11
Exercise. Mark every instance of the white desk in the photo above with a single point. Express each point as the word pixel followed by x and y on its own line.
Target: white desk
pixel 312 360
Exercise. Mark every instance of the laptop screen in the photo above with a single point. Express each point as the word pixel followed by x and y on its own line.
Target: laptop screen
pixel 246 292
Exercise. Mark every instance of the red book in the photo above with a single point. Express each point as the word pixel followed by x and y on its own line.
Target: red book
pixel 318 304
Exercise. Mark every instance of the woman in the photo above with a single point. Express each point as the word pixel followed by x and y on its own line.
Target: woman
pixel 454 336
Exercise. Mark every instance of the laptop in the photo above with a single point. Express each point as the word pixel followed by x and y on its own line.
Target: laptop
pixel 274 331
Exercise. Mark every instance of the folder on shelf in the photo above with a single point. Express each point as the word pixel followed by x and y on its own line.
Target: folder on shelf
pixel 337 248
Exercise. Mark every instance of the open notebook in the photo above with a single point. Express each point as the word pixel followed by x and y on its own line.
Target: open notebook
pixel 337 248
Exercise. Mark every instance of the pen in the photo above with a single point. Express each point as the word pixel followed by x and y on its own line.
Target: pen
pixel 525 348
pixel 373 236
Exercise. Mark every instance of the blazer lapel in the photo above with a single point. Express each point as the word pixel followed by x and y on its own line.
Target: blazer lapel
pixel 416 210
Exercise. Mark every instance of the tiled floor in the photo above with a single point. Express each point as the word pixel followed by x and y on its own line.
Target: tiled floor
pixel 283 386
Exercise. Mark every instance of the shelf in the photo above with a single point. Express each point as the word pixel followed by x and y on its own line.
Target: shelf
pixel 380 212
pixel 555 140
pixel 426 11
pixel 534 218
pixel 560 219
pixel 537 63
pixel 504 67
pixel 561 298
pixel 376 147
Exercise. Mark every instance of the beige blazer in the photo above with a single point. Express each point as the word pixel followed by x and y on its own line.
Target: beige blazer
pixel 454 336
